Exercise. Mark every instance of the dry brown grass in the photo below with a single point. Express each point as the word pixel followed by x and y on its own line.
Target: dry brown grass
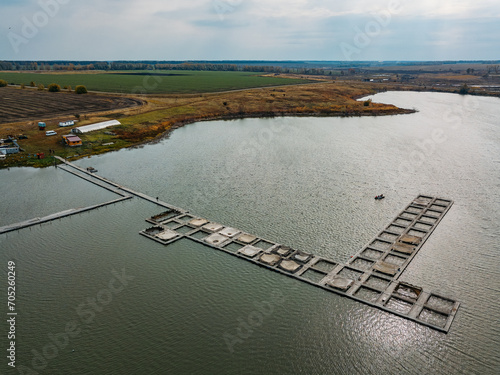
pixel 165 112
pixel 331 99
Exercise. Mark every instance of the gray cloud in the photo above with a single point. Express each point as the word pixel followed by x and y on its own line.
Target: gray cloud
pixel 251 29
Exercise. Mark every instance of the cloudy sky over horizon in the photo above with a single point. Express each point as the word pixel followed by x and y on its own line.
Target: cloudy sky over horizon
pixel 249 30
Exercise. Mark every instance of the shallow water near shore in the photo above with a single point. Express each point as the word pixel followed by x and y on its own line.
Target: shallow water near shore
pixel 303 182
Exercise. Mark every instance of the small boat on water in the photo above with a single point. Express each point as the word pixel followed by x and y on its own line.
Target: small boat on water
pixel 381 196
pixel 91 169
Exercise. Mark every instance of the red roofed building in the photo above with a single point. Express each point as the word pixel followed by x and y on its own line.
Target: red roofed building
pixel 72 140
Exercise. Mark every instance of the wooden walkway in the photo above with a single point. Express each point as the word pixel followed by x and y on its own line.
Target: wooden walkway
pixel 93 178
pixel 122 191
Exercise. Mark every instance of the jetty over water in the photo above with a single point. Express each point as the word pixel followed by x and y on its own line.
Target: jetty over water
pixel 371 276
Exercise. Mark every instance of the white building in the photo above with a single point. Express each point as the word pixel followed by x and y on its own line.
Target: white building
pixel 98 126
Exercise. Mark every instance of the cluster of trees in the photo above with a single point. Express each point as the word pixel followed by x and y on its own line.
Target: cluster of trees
pixel 241 68
pixel 278 67
pixel 80 89
pixel 464 89
pixel 53 87
pixel 493 69
pixel 53 65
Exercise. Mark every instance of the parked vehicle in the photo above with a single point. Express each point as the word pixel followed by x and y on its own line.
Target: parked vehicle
pixel 66 123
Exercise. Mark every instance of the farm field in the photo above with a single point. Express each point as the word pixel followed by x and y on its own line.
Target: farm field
pixel 18 105
pixel 148 82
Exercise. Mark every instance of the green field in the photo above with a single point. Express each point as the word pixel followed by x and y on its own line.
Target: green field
pixel 158 82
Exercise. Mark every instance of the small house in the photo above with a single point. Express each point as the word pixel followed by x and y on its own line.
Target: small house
pixel 72 140
pixel 41 126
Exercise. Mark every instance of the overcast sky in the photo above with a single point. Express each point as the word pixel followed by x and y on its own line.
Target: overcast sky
pixel 249 29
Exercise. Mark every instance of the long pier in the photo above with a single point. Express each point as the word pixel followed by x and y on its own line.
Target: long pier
pixel 123 192
pixel 117 186
pixel 371 276
pixel 57 215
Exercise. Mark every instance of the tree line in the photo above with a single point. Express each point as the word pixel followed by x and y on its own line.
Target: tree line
pixel 126 65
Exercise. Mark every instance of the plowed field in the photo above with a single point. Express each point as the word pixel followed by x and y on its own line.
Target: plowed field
pixel 31 104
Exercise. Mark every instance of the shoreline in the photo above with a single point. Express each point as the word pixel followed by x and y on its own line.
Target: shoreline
pixel 163 115
pixel 180 124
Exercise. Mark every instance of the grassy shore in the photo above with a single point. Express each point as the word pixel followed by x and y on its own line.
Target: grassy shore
pixel 163 113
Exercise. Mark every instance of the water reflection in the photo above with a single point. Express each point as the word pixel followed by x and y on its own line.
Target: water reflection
pixel 310 186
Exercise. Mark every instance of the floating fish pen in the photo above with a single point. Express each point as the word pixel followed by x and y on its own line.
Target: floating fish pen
pixel 371 276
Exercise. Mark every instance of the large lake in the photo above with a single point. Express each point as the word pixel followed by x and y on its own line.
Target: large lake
pixel 304 182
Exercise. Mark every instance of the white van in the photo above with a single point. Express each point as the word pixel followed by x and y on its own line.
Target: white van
pixel 50 132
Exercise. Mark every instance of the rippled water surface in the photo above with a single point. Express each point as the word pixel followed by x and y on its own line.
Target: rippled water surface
pixel 303 182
